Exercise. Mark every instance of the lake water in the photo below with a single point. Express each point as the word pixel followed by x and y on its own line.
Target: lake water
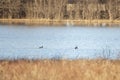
pixel 18 42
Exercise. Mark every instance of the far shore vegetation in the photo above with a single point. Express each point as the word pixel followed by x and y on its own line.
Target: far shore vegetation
pixel 60 12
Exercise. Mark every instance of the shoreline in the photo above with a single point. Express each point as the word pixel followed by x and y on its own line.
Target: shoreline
pixel 48 22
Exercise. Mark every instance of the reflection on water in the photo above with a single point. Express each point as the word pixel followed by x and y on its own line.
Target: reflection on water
pixel 58 42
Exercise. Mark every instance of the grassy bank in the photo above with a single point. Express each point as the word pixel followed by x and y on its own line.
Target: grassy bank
pixel 60 70
pixel 48 22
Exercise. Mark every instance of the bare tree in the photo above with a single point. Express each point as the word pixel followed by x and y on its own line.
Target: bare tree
pixel 60 9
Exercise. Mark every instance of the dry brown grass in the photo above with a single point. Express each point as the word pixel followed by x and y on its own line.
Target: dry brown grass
pixel 60 70
pixel 55 22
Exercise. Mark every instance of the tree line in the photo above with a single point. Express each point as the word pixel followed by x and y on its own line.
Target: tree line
pixel 60 9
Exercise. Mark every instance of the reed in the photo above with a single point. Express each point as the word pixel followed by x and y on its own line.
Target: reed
pixel 60 70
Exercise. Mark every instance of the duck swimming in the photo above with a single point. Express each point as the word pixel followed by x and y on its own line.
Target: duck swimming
pixel 76 47
pixel 40 47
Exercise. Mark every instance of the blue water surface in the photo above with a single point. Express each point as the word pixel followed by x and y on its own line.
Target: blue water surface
pixel 18 42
